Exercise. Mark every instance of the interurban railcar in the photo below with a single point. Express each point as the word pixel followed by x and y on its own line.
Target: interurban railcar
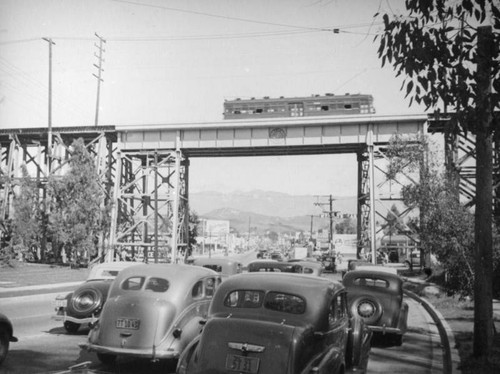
pixel 315 105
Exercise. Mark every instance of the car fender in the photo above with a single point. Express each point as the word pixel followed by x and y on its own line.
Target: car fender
pixel 186 356
pixel 403 318
pixel 331 361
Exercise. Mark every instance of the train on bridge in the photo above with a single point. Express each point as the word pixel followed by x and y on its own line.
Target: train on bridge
pixel 315 105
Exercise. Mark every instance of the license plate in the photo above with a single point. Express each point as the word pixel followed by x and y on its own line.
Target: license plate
pixel 242 364
pixel 61 303
pixel 128 323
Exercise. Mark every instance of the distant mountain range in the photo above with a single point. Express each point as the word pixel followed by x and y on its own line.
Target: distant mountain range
pixel 265 210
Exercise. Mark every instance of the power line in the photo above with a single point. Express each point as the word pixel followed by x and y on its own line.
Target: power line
pixel 221 16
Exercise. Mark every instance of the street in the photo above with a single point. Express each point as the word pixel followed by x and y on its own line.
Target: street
pixel 45 346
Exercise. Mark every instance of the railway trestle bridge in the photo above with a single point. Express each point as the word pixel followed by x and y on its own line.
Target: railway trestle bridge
pixel 144 169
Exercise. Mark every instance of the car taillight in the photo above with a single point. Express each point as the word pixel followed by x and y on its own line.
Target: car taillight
pixel 366 309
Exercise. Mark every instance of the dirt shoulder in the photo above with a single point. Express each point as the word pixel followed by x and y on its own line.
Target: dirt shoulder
pixel 26 274
pixel 459 314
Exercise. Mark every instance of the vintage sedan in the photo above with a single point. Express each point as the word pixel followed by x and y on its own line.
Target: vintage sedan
pixel 376 296
pixel 297 267
pixel 84 305
pixel 278 323
pixel 6 336
pixel 222 265
pixel 153 311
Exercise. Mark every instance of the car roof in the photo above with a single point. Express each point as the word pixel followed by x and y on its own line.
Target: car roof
pixel 209 261
pixel 97 269
pixel 317 292
pixel 173 272
pixel 368 273
pixel 384 269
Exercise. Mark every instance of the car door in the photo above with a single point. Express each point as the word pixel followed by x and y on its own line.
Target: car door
pixel 336 337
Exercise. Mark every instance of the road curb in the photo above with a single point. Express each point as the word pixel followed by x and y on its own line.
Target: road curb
pixel 451 358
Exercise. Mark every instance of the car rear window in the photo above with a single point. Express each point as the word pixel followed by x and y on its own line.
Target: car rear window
pixel 372 282
pixel 277 301
pixel 133 283
pixel 284 302
pixel 244 299
pixel 157 284
pixel 217 268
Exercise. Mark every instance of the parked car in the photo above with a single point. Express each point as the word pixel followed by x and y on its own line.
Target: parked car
pixel 278 323
pixel 377 297
pixel 153 311
pixel 298 267
pixel 224 266
pixel 6 336
pixel 328 260
pixel 84 305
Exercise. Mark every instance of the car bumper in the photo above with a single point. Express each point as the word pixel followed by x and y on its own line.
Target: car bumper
pixel 62 316
pixel 150 353
pixel 387 330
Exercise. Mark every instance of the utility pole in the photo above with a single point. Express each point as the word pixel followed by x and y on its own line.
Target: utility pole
pixel 331 213
pixel 98 76
pixel 48 153
pixel 49 136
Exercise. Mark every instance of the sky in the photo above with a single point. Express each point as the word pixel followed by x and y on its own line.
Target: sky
pixel 176 61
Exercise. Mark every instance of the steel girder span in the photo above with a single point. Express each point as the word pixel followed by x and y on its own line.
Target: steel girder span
pixel 150 210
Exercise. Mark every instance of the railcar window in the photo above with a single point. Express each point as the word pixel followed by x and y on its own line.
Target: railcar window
pixel 283 302
pixel 133 283
pixel 325 108
pixel 244 299
pixel 157 284
pixel 347 106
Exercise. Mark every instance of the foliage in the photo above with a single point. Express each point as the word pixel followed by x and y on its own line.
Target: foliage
pixel 76 216
pixel 26 223
pixel 449 60
pixel 394 224
pixel 346 226
pixel 445 226
pixel 194 223
pixel 435 47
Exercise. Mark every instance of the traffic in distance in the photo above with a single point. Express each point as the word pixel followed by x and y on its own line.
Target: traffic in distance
pixel 241 314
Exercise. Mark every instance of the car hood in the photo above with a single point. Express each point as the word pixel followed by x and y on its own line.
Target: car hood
pixel 152 318
pixel 271 346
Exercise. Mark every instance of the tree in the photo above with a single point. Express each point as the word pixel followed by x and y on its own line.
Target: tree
pixel 26 223
pixel 446 227
pixel 194 222
pixel 451 58
pixel 346 226
pixel 75 215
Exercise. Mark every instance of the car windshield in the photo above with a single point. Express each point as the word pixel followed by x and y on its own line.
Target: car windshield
pixel 277 301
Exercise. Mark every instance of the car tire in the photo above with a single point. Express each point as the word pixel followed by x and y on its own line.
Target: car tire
pixel 373 317
pixel 106 359
pixel 79 305
pixel 4 343
pixel 354 342
pixel 71 327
